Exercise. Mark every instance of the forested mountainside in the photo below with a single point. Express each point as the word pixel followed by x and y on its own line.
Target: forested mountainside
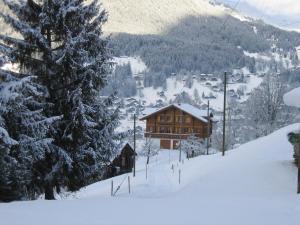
pixel 201 36
pixel 193 35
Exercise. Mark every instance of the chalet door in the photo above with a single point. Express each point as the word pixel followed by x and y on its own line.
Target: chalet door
pixel 123 161
pixel 165 144
pixel 176 144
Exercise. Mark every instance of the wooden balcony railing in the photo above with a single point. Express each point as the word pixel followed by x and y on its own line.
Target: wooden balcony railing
pixel 173 135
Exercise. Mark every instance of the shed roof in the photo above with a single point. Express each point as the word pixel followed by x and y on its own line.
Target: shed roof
pixel 187 108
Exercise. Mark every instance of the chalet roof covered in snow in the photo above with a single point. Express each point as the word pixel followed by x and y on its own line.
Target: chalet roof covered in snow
pixel 187 108
pixel 121 146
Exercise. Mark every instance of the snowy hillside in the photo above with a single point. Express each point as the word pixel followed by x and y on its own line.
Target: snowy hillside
pixel 211 90
pixel 254 184
pixel 292 98
pixel 136 64
pixel 208 86
pixel 153 17
pixel 171 36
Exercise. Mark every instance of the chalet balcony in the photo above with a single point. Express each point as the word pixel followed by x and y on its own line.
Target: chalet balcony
pixel 162 122
pixel 172 135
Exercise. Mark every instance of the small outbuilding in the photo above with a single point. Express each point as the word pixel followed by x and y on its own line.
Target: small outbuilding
pixel 123 162
pixel 294 139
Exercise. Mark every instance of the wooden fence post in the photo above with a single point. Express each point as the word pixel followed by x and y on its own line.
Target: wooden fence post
pixel 112 188
pixel 179 176
pixel 129 184
pixel 298 160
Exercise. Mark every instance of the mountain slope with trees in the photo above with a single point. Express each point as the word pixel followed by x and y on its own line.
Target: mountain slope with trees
pixel 197 36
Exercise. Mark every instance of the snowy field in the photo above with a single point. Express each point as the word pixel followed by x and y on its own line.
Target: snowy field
pixel 292 98
pixel 136 64
pixel 254 184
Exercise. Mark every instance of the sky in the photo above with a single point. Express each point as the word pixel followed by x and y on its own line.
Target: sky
pixel 282 13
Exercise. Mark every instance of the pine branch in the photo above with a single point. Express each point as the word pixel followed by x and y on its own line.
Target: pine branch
pixel 27 32
pixel 34 6
pixel 17 42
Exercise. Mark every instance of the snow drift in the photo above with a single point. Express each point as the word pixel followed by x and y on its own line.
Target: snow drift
pixel 254 184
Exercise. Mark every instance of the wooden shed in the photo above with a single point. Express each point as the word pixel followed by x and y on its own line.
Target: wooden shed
pixel 124 161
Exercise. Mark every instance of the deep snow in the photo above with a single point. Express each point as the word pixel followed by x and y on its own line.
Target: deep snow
pixel 292 98
pixel 254 184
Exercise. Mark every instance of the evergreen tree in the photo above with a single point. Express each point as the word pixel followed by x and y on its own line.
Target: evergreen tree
pixel 62 45
pixel 23 134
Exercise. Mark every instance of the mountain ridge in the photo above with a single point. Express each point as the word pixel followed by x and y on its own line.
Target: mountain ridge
pixel 152 16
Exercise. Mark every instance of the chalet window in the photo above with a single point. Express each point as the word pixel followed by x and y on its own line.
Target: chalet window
pixel 188 119
pixel 197 130
pixel 165 118
pixel 185 130
pixel 183 119
pixel 123 161
pixel 179 119
pixel 165 130
pixel 150 129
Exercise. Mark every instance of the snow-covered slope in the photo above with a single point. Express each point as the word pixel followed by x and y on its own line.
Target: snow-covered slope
pixel 292 98
pixel 155 16
pixel 136 64
pixel 254 184
pixel 284 14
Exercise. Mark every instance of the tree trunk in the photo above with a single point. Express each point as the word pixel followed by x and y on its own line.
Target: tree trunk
pixel 49 193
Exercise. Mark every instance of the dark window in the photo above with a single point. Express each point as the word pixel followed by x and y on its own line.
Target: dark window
pixel 179 119
pixel 165 130
pixel 165 118
pixel 185 130
pixel 150 129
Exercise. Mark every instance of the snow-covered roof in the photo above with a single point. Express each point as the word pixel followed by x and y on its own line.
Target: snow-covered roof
pixel 122 146
pixel 187 108
pixel 148 111
pixel 119 149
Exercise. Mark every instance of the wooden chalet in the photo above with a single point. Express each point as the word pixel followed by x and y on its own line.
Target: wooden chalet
pixel 175 122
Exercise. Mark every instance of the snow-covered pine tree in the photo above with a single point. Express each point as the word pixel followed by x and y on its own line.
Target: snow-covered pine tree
pixel 62 44
pixel 7 162
pixel 23 134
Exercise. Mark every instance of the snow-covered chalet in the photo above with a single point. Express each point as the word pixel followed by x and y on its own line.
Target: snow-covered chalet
pixel 175 122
